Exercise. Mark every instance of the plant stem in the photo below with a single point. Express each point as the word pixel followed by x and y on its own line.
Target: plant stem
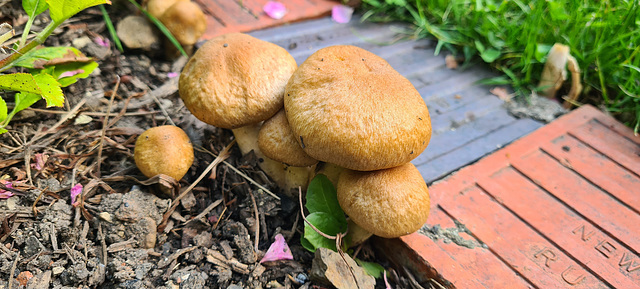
pixel 7 62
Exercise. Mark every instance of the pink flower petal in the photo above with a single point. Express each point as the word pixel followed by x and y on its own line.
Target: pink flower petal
pixel 4 194
pixel 75 191
pixel 172 74
pixel 275 9
pixel 341 13
pixel 101 41
pixel 40 160
pixel 71 73
pixel 279 250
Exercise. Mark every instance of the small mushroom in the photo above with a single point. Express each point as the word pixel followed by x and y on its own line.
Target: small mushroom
pixel 186 22
pixel 163 150
pixel 349 107
pixel 388 203
pixel 158 7
pixel 236 81
pixel 277 142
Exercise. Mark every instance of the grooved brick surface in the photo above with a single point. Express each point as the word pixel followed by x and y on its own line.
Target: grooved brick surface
pixel 559 208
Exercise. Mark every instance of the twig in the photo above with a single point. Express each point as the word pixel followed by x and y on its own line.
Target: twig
pixel 105 124
pixel 164 262
pixel 33 207
pixel 205 211
pixel 225 153
pixel 91 113
pixel 255 211
pixel 13 270
pixel 242 175
pixel 166 114
pixel 68 116
pixel 54 238
pixel 104 244
pixel 220 218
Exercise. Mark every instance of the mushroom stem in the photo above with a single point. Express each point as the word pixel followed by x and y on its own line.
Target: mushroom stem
pixel 332 171
pixel 296 177
pixel 357 235
pixel 247 139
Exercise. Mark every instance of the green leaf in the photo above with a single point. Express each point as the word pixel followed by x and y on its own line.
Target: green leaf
pixel 542 50
pixel 38 58
pixel 41 84
pixel 373 269
pixel 3 110
pixel 322 197
pixel 61 10
pixel 326 224
pixel 34 7
pixel 24 100
pixel 75 71
pixel 490 55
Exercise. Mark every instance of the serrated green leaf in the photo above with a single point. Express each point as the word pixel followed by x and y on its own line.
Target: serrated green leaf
pixel 80 69
pixel 40 84
pixel 3 130
pixel 322 197
pixel 61 10
pixel 24 100
pixel 373 269
pixel 34 7
pixel 326 224
pixel 3 110
pixel 37 58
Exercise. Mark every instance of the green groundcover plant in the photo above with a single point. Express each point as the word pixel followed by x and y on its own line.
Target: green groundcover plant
pixel 50 68
pixel 515 36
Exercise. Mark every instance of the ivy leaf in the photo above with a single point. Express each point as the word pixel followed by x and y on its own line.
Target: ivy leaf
pixel 373 269
pixel 322 197
pixel 61 10
pixel 34 7
pixel 326 224
pixel 41 84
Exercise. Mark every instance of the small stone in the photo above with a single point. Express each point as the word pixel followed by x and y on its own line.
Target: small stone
pixel 57 270
pixel 329 268
pixel 136 32
pixel 32 246
pixel 81 42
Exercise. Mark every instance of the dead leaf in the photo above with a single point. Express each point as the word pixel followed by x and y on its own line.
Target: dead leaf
pixel 451 62
pixel 502 93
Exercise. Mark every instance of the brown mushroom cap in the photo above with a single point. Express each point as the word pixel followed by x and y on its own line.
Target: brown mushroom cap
pixel 277 142
pixel 164 150
pixel 186 22
pixel 388 203
pixel 235 79
pixel 349 107
pixel 158 7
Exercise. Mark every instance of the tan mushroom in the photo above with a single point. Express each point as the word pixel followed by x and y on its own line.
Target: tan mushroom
pixel 158 7
pixel 277 142
pixel 163 150
pixel 186 22
pixel 236 81
pixel 349 107
pixel 388 203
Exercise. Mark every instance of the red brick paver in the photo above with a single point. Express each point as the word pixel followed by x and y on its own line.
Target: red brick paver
pixel 559 208
pixel 226 16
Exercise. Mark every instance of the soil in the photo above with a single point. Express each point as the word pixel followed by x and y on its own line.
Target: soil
pixel 125 230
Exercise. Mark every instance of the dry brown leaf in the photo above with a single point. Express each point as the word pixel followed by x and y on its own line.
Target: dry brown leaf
pixel 502 93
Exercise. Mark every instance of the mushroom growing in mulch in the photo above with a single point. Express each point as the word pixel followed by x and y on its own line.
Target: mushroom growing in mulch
pixel 236 81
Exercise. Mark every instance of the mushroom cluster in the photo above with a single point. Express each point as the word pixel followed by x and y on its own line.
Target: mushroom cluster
pixel 235 81
pixel 348 107
pixel 343 106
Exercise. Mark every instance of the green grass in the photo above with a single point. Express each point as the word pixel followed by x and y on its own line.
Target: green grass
pixel 515 36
